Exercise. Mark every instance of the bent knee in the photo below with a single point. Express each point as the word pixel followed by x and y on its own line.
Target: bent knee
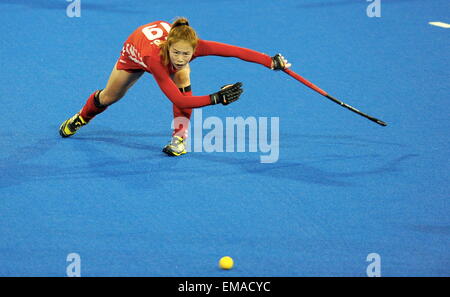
pixel 108 97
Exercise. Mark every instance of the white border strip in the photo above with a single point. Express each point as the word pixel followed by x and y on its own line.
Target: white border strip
pixel 440 24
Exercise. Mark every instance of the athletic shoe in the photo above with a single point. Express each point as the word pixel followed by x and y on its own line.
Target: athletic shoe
pixel 70 126
pixel 175 147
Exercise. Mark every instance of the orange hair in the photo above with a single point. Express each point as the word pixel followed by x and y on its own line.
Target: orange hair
pixel 178 33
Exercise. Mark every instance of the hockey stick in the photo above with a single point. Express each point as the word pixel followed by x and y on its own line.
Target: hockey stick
pixel 322 92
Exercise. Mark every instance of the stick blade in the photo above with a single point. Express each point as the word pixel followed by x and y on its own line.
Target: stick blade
pixel 381 123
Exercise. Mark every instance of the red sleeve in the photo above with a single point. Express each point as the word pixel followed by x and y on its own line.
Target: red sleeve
pixel 212 48
pixel 170 89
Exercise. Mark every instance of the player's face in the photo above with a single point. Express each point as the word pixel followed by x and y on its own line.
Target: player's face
pixel 180 54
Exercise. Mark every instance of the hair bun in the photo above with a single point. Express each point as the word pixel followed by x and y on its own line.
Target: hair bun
pixel 181 24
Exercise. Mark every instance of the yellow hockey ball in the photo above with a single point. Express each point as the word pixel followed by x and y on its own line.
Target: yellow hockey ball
pixel 226 263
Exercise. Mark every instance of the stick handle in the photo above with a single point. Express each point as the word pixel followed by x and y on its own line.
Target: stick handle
pixel 305 82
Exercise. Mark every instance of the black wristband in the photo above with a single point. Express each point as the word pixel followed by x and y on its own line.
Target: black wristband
pixel 214 98
pixel 185 89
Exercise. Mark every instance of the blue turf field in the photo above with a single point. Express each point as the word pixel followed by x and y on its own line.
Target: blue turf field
pixel 343 187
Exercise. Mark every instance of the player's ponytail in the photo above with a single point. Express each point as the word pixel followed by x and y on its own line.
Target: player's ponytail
pixel 181 31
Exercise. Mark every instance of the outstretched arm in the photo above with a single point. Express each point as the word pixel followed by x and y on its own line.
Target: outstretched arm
pixel 213 48
pixel 172 92
pixel 226 95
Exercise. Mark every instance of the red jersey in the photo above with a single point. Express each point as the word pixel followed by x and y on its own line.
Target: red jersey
pixel 141 52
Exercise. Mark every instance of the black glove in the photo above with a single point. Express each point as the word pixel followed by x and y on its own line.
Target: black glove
pixel 227 94
pixel 278 62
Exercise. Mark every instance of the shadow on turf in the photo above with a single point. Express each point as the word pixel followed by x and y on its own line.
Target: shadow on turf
pixel 430 229
pixel 302 171
pixel 103 163
pixel 20 165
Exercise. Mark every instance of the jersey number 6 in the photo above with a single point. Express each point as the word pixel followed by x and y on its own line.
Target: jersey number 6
pixel 154 32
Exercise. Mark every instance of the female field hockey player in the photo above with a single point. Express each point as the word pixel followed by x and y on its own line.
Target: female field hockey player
pixel 165 51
